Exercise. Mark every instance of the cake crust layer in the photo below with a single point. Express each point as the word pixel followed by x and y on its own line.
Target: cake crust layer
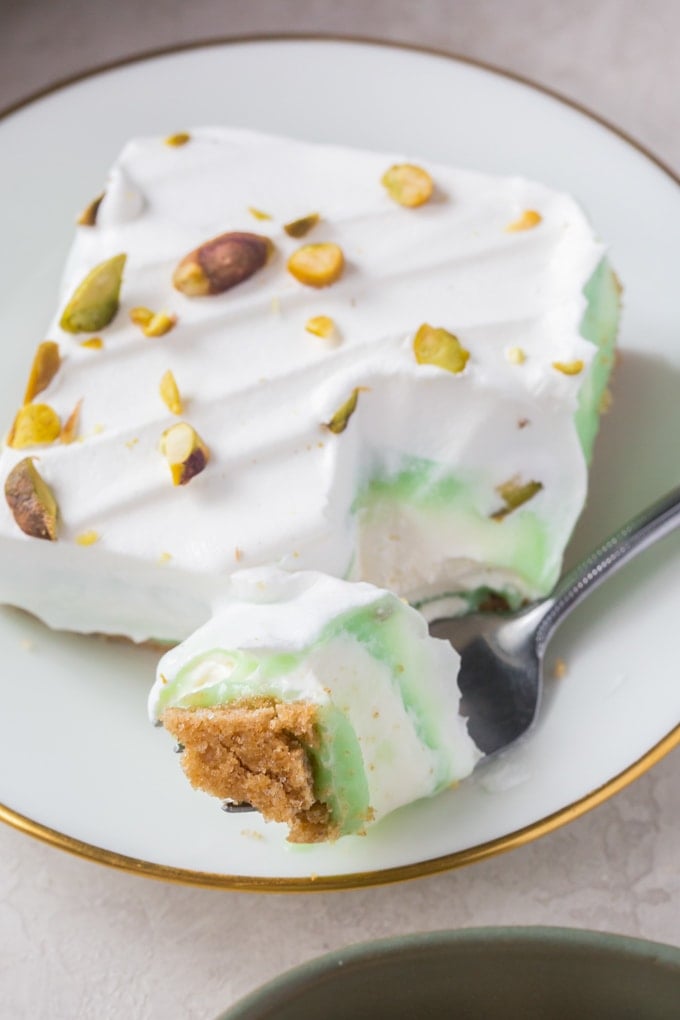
pixel 255 751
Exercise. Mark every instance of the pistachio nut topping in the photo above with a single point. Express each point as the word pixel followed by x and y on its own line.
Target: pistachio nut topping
pixel 69 430
pixel 222 263
pixel 159 324
pixel 185 452
pixel 94 302
pixel 258 214
pixel 180 138
pixel 46 363
pixel 88 216
pixel 340 420
pixel 408 185
pixel 515 355
pixel 95 343
pixel 321 325
pixel 34 425
pixel 301 227
pixel 435 346
pixel 141 316
pixel 170 394
pixel 527 221
pixel 317 265
pixel 31 501
pixel 514 494
pixel 569 367
pixel 87 537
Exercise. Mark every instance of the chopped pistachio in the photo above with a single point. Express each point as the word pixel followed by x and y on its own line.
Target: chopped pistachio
pixel 435 346
pixel 141 316
pixel 34 425
pixel 159 324
pixel 527 221
pixel 69 429
pixel 88 216
pixel 87 538
pixel 321 325
pixel 165 557
pixel 258 214
pixel 340 420
pixel 46 362
pixel 95 343
pixel 94 302
pixel 31 501
pixel 569 367
pixel 185 452
pixel 221 263
pixel 317 265
pixel 301 227
pixel 515 355
pixel 170 394
pixel 514 494
pixel 180 138
pixel 408 185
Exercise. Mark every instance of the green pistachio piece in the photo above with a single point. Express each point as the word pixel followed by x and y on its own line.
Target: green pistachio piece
pixel 515 493
pixel 301 227
pixel 435 346
pixel 95 302
pixel 340 419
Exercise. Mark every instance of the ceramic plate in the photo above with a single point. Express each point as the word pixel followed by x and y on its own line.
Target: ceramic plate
pixel 80 765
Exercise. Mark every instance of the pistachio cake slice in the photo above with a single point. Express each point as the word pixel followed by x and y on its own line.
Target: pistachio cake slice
pixel 325 704
pixel 267 351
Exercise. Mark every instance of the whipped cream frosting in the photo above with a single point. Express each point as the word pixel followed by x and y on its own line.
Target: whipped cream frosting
pixel 401 700
pixel 279 487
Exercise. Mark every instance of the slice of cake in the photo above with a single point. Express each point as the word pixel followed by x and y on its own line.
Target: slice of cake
pixel 273 352
pixel 325 704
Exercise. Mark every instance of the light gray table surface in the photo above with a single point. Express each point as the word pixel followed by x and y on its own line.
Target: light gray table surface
pixel 80 940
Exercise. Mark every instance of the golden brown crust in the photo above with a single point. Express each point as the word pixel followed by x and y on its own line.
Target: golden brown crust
pixel 256 751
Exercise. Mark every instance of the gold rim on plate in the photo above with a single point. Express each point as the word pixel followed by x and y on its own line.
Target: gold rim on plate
pixel 436 865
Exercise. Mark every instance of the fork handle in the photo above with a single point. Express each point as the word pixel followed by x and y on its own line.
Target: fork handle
pixel 646 528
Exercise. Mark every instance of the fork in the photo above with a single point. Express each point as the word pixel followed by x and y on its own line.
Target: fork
pixel 502 654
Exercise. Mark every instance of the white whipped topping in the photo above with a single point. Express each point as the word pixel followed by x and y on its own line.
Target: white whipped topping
pixel 257 387
pixel 270 611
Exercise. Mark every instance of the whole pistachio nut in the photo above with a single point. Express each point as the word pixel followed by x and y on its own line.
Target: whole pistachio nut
pixel 94 302
pixel 408 185
pixel 514 494
pixel 185 452
pixel 435 346
pixel 317 265
pixel 46 362
pixel 34 425
pixel 31 501
pixel 301 227
pixel 222 263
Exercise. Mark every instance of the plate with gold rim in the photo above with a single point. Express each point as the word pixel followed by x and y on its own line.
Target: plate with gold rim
pixel 80 766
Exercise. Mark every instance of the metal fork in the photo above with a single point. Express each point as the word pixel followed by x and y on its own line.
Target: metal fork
pixel 501 670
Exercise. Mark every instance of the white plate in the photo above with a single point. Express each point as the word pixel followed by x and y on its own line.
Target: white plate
pixel 79 764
